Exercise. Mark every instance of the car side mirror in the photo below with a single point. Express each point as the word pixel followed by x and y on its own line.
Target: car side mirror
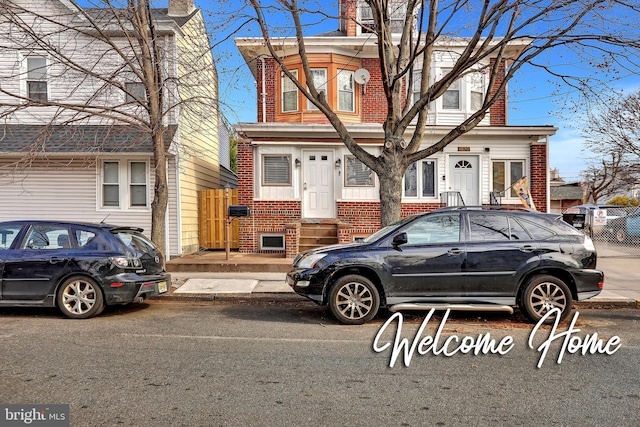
pixel 399 239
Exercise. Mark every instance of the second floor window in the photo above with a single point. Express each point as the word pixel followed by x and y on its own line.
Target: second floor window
pixel 320 82
pixel 345 91
pixel 135 92
pixel 37 78
pixel 451 98
pixel 289 93
pixel 477 90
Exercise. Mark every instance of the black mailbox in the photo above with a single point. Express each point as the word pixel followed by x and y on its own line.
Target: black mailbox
pixel 239 211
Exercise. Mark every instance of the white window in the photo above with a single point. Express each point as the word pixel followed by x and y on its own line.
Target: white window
pixel 357 173
pixel 346 94
pixel 417 81
pixel 289 93
pixel 397 12
pixel 476 84
pixel 426 185
pixel 37 78
pixel 276 170
pixel 320 82
pixel 451 98
pixel 135 92
pixel 505 174
pixel 125 184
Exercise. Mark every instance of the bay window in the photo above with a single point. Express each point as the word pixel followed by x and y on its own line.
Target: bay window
pixel 289 93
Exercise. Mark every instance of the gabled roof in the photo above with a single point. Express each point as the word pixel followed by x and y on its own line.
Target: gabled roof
pixel 566 192
pixel 93 139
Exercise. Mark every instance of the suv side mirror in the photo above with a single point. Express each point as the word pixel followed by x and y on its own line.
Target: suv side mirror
pixel 400 239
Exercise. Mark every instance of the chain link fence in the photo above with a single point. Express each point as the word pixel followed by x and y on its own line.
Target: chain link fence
pixel 614 230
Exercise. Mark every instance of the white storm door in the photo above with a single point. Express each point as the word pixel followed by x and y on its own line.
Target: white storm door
pixel 317 184
pixel 464 177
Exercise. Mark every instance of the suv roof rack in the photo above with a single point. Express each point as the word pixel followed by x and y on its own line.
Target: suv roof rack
pixel 486 208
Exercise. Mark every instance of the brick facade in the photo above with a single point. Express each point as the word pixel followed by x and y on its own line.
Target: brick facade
pixel 498 111
pixel 270 89
pixel 538 175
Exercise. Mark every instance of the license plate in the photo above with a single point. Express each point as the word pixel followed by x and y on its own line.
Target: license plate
pixel 162 287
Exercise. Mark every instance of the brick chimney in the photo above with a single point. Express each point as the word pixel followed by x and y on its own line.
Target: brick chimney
pixel 181 7
pixel 347 16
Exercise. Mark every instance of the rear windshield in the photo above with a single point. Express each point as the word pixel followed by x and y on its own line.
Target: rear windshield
pixel 135 241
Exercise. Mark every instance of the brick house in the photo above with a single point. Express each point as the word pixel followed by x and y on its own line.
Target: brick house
pixel 306 189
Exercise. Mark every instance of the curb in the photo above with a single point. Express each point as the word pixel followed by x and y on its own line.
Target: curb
pixel 291 296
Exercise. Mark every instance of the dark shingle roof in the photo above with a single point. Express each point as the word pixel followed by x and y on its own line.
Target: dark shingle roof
pixel 78 139
pixel 566 192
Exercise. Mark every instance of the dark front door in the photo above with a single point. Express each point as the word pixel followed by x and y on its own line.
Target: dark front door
pixel 430 263
pixel 31 271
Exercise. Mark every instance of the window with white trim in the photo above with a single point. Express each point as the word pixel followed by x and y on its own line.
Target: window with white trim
pixel 357 174
pixel 289 93
pixel 135 92
pixel 417 81
pixel 272 242
pixel 397 13
pixel 37 87
pixel 276 170
pixel 346 94
pixel 451 98
pixel 476 86
pixel 320 82
pixel 505 174
pixel 125 184
pixel 426 185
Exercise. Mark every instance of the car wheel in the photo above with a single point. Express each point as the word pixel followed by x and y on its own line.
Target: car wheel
pixel 354 300
pixel 80 298
pixel 621 235
pixel 544 293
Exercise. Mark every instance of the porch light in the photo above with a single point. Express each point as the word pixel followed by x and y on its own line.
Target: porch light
pixel 297 163
pixel 338 163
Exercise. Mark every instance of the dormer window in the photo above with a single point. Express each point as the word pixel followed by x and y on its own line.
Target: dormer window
pixel 397 14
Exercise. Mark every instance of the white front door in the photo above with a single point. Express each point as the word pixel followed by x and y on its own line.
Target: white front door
pixel 317 184
pixel 464 177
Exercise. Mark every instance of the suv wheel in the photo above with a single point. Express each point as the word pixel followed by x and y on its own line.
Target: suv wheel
pixel 80 298
pixel 354 300
pixel 621 235
pixel 544 293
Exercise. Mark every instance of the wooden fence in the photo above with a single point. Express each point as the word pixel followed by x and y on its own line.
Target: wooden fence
pixel 212 214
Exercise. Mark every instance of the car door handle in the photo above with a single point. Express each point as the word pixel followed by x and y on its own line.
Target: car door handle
pixel 527 248
pixel 55 259
pixel 454 251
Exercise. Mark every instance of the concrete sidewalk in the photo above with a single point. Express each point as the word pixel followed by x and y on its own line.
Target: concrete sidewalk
pixel 622 284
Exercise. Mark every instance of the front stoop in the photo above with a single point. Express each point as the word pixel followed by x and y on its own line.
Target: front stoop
pixel 316 234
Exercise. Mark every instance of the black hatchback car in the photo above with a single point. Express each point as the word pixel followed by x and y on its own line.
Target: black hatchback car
pixel 458 258
pixel 77 267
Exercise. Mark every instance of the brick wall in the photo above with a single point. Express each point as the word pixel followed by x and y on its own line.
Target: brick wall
pixel 538 175
pixel 374 103
pixel 498 111
pixel 348 8
pixel 271 72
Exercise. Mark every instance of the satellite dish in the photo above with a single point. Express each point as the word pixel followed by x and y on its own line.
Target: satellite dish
pixel 361 76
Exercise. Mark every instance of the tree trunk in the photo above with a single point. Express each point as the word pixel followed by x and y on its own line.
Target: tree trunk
pixel 160 192
pixel 390 176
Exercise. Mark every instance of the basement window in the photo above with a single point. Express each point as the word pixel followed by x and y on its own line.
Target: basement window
pixel 272 242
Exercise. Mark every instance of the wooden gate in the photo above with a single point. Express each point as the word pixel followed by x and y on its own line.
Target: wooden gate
pixel 212 214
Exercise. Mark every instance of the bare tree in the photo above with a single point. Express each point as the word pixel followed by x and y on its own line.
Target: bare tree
pixel 606 178
pixel 516 33
pixel 96 51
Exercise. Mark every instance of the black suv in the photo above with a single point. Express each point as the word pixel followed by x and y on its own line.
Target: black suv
pixel 78 267
pixel 459 258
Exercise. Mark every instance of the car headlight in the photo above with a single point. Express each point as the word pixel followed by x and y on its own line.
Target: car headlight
pixel 308 261
pixel 588 244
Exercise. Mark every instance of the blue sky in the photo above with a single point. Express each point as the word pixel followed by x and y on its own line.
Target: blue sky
pixel 535 98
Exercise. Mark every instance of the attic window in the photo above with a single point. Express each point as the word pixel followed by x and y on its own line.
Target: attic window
pixel 397 14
